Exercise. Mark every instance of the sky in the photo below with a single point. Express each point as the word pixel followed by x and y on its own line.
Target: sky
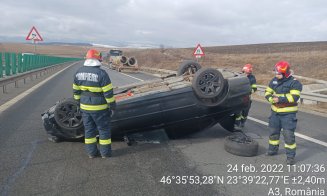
pixel 165 23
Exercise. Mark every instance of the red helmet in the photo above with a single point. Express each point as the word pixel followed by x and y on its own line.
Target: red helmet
pixel 283 67
pixel 93 54
pixel 247 68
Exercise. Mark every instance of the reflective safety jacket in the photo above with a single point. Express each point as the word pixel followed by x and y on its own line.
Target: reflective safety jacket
pixel 288 92
pixel 93 88
pixel 253 82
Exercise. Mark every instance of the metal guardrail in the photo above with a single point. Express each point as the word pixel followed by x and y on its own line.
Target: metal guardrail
pixel 304 95
pixel 22 76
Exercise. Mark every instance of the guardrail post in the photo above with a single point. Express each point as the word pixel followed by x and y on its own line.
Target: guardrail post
pixel 7 62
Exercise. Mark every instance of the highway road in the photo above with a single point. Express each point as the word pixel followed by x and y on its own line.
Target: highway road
pixel 193 165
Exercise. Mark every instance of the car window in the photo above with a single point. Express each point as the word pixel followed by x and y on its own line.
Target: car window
pixel 115 52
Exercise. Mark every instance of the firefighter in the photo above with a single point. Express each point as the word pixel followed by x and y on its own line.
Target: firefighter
pixel 241 117
pixel 93 89
pixel 283 93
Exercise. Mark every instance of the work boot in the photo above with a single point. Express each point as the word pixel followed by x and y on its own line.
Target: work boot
pixel 290 161
pixel 93 156
pixel 271 153
pixel 243 122
pixel 106 156
pixel 238 127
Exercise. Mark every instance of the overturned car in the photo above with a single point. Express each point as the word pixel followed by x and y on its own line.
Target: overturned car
pixel 194 99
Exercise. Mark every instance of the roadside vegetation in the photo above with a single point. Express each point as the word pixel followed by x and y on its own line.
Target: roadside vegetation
pixel 307 59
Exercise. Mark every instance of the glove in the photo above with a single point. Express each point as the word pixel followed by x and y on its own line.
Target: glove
pixel 112 112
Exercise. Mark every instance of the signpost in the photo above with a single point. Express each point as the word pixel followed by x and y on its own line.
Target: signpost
pixel 198 52
pixel 35 36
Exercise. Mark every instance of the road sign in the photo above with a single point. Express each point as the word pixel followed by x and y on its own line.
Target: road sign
pixel 34 35
pixel 198 51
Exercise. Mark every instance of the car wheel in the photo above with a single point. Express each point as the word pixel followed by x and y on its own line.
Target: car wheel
pixel 69 119
pixel 188 68
pixel 241 145
pixel 208 83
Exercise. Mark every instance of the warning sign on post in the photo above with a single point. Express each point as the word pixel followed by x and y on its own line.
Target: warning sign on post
pixel 34 35
pixel 198 51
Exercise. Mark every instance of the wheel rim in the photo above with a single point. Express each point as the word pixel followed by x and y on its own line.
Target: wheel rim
pixel 209 84
pixel 240 138
pixel 69 115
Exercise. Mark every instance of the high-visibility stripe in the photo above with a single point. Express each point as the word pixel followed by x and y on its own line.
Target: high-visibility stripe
pixel 254 86
pixel 238 118
pixel 107 88
pixel 268 93
pixel 290 98
pixel 94 107
pixel 295 92
pixel 105 142
pixel 90 140
pixel 91 89
pixel 268 89
pixel 286 109
pixel 270 99
pixel 77 97
pixel 274 142
pixel 76 87
pixel 292 146
pixel 110 100
pixel 280 95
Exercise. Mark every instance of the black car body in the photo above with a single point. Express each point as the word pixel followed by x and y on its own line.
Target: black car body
pixel 181 104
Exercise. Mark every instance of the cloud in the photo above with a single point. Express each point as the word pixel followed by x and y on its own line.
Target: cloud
pixel 180 23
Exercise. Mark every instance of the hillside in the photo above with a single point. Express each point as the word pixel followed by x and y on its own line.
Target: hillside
pixel 307 58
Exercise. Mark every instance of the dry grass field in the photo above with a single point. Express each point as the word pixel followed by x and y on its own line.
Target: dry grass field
pixel 307 59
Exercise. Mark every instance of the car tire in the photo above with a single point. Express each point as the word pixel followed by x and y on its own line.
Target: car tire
pixel 69 119
pixel 208 83
pixel 188 67
pixel 209 86
pixel 241 145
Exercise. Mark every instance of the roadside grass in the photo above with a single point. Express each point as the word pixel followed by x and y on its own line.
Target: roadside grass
pixel 307 59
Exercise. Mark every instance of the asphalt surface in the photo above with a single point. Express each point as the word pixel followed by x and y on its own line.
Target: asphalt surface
pixel 31 165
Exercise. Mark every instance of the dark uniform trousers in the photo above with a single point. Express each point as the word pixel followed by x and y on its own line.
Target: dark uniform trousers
pixel 98 122
pixel 241 117
pixel 285 123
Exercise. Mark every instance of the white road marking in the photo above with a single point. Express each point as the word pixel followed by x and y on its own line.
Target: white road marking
pixel 127 75
pixel 132 77
pixel 8 104
pixel 296 134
